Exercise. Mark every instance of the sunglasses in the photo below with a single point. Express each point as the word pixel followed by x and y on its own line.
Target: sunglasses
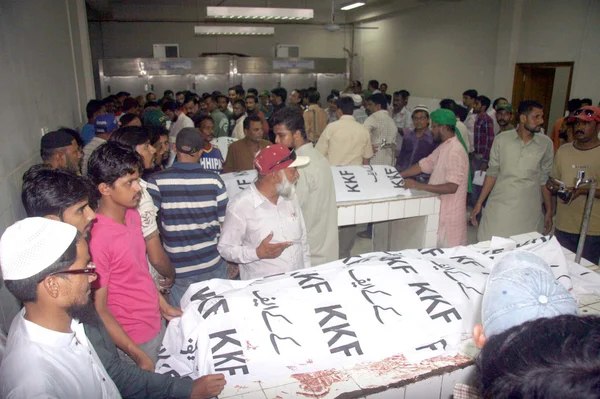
pixel 90 269
pixel 291 157
pixel 587 112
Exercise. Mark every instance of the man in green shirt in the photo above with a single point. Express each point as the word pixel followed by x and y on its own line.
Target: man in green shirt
pixel 220 119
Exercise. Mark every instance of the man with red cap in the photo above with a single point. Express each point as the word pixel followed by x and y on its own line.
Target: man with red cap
pixel 583 154
pixel 264 230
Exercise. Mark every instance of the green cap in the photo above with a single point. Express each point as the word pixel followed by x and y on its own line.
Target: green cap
pixel 505 106
pixel 155 118
pixel 443 117
pixel 265 93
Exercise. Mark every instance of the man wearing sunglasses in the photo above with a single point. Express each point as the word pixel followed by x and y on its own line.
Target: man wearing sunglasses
pixel 45 265
pixel 264 230
pixel 581 154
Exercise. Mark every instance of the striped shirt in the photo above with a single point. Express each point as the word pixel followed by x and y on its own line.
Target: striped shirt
pixel 192 204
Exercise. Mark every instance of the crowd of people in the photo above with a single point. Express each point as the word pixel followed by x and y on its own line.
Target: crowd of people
pixel 131 207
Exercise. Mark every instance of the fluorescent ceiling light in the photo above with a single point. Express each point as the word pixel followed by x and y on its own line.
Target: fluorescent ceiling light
pixel 205 30
pixel 268 13
pixel 352 5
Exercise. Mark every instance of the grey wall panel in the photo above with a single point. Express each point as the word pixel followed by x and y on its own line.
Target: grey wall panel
pixel 263 81
pixel 136 85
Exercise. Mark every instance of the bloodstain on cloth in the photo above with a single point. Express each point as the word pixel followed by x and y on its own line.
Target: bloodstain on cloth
pixel 318 384
pixel 250 347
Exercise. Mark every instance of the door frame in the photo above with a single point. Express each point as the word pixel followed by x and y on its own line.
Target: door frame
pixel 518 78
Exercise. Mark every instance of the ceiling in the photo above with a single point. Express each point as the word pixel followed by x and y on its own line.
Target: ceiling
pixel 195 10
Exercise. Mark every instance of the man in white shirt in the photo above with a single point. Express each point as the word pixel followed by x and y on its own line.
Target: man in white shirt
pixel 315 188
pixel 264 230
pixel 383 131
pixel 179 120
pixel 469 97
pixel 45 264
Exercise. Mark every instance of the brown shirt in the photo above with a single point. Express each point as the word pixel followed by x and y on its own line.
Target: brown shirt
pixel 315 121
pixel 240 155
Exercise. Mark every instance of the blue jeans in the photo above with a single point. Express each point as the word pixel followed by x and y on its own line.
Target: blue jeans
pixel 183 283
pixel 591 246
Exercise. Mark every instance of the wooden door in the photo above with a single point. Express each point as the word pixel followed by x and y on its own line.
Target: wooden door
pixel 534 83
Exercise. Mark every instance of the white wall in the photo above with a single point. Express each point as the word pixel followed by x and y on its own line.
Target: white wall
pixel 438 50
pixel 41 89
pixel 564 30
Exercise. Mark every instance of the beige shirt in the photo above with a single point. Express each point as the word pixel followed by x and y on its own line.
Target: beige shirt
pixel 383 132
pixel 567 162
pixel 315 121
pixel 87 152
pixel 345 142
pixel 238 129
pixel 514 205
pixel 316 193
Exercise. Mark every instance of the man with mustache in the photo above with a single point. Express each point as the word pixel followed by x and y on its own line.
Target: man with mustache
pixel 45 264
pixel 581 154
pixel 264 230
pixel 519 166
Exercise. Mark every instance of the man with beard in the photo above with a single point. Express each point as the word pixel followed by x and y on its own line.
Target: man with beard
pixel 62 196
pixel 448 165
pixel 264 230
pixel 315 188
pixel 211 158
pixel 179 120
pixel 520 165
pixel 253 108
pixel 504 114
pixel 60 150
pixel 238 116
pixel 192 204
pixel 581 154
pixel 45 265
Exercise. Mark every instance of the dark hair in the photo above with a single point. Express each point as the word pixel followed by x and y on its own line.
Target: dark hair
pixel 151 104
pixel 471 93
pixel 179 92
pixel 374 83
pixel 346 104
pixel 252 96
pixel 167 92
pixel 155 132
pixel 122 93
pixel 130 103
pixel 241 102
pixel 188 98
pixel 331 97
pixel 404 93
pixel 554 357
pixel 574 104
pixel 48 191
pixel 111 161
pixel 250 118
pixel 201 118
pixel 280 92
pixel 170 106
pixel 130 136
pixel 335 92
pixel 525 107
pixel 496 101
pixel 484 101
pixel 25 290
pixel 127 118
pixel 92 107
pixel 379 99
pixel 148 95
pixel 313 96
pixel 291 118
pixel 253 91
pixel 383 84
pixel 586 101
pixel 448 103
pixel 239 90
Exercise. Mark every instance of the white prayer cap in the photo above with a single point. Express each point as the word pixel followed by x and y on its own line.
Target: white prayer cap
pixel 356 98
pixel 31 245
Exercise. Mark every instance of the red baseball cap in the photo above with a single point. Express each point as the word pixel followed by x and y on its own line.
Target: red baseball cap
pixel 277 157
pixel 587 113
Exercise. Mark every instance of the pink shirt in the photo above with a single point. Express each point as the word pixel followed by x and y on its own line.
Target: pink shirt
pixel 449 163
pixel 119 253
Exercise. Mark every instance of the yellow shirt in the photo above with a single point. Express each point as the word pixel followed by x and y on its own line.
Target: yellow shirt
pixel 567 162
